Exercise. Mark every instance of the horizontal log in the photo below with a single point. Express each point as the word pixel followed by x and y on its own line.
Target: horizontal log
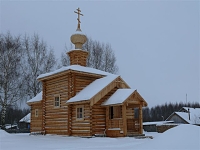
pixel 47 131
pixel 36 128
pixel 81 134
pixel 80 128
pixel 60 78
pixel 80 131
pixel 54 119
pixel 56 124
pixel 55 128
pixel 82 125
pixel 98 117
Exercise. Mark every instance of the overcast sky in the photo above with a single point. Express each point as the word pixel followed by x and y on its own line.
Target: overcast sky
pixel 156 43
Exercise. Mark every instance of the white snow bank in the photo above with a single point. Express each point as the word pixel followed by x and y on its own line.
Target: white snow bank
pixel 3 134
pixel 183 137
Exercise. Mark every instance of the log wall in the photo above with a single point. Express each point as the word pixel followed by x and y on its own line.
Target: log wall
pixel 99 115
pixel 36 122
pixel 81 127
pixel 83 80
pixel 56 117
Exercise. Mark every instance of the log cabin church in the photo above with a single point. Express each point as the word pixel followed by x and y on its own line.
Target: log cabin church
pixel 80 101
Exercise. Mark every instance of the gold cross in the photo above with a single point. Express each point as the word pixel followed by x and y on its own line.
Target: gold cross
pixel 79 22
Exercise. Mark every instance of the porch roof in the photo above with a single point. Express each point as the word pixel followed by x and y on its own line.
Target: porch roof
pixel 119 97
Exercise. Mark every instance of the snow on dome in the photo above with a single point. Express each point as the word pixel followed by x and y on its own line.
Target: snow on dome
pixel 78 32
pixel 37 98
pixel 26 119
pixel 93 88
pixel 119 97
pixel 75 68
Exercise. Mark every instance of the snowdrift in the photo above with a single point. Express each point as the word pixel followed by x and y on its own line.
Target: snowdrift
pixel 182 137
pixel 3 134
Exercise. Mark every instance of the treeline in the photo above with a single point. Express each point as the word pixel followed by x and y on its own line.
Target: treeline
pixel 23 58
pixel 162 112
pixel 15 114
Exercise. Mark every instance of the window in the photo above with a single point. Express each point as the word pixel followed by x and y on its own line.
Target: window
pixel 115 112
pixel 36 112
pixel 79 113
pixel 57 101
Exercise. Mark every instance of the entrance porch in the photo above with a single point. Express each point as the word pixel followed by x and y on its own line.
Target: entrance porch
pixel 125 118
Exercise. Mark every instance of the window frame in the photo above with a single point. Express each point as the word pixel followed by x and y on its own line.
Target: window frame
pixel 115 112
pixel 56 102
pixel 36 112
pixel 79 115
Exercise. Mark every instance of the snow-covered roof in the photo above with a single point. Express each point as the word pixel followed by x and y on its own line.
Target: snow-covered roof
pixel 9 126
pixel 157 122
pixel 26 119
pixel 183 113
pixel 37 98
pixel 192 110
pixel 75 68
pixel 118 97
pixel 92 89
pixel 194 116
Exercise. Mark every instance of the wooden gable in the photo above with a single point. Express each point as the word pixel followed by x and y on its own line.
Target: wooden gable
pixel 135 99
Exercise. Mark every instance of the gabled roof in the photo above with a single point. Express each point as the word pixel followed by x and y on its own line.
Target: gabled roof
pixel 37 98
pixel 194 115
pixel 131 96
pixel 92 89
pixel 26 119
pixel 119 97
pixel 75 68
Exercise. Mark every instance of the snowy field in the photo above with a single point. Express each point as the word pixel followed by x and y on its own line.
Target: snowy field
pixel 183 137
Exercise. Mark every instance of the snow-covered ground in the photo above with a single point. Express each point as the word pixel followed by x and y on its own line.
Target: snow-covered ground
pixel 183 137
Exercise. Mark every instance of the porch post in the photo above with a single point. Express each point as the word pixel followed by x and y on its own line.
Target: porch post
pixel 69 120
pixel 107 118
pixel 140 119
pixel 124 119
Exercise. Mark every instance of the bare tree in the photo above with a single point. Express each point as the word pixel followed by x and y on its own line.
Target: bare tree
pixel 37 60
pixel 10 72
pixel 101 56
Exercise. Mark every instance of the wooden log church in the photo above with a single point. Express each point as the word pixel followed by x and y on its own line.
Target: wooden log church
pixel 80 101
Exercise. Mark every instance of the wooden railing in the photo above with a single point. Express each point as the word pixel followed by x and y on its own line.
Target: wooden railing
pixel 133 125
pixel 115 123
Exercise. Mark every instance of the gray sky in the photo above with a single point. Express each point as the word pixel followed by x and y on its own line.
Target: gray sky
pixel 156 43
